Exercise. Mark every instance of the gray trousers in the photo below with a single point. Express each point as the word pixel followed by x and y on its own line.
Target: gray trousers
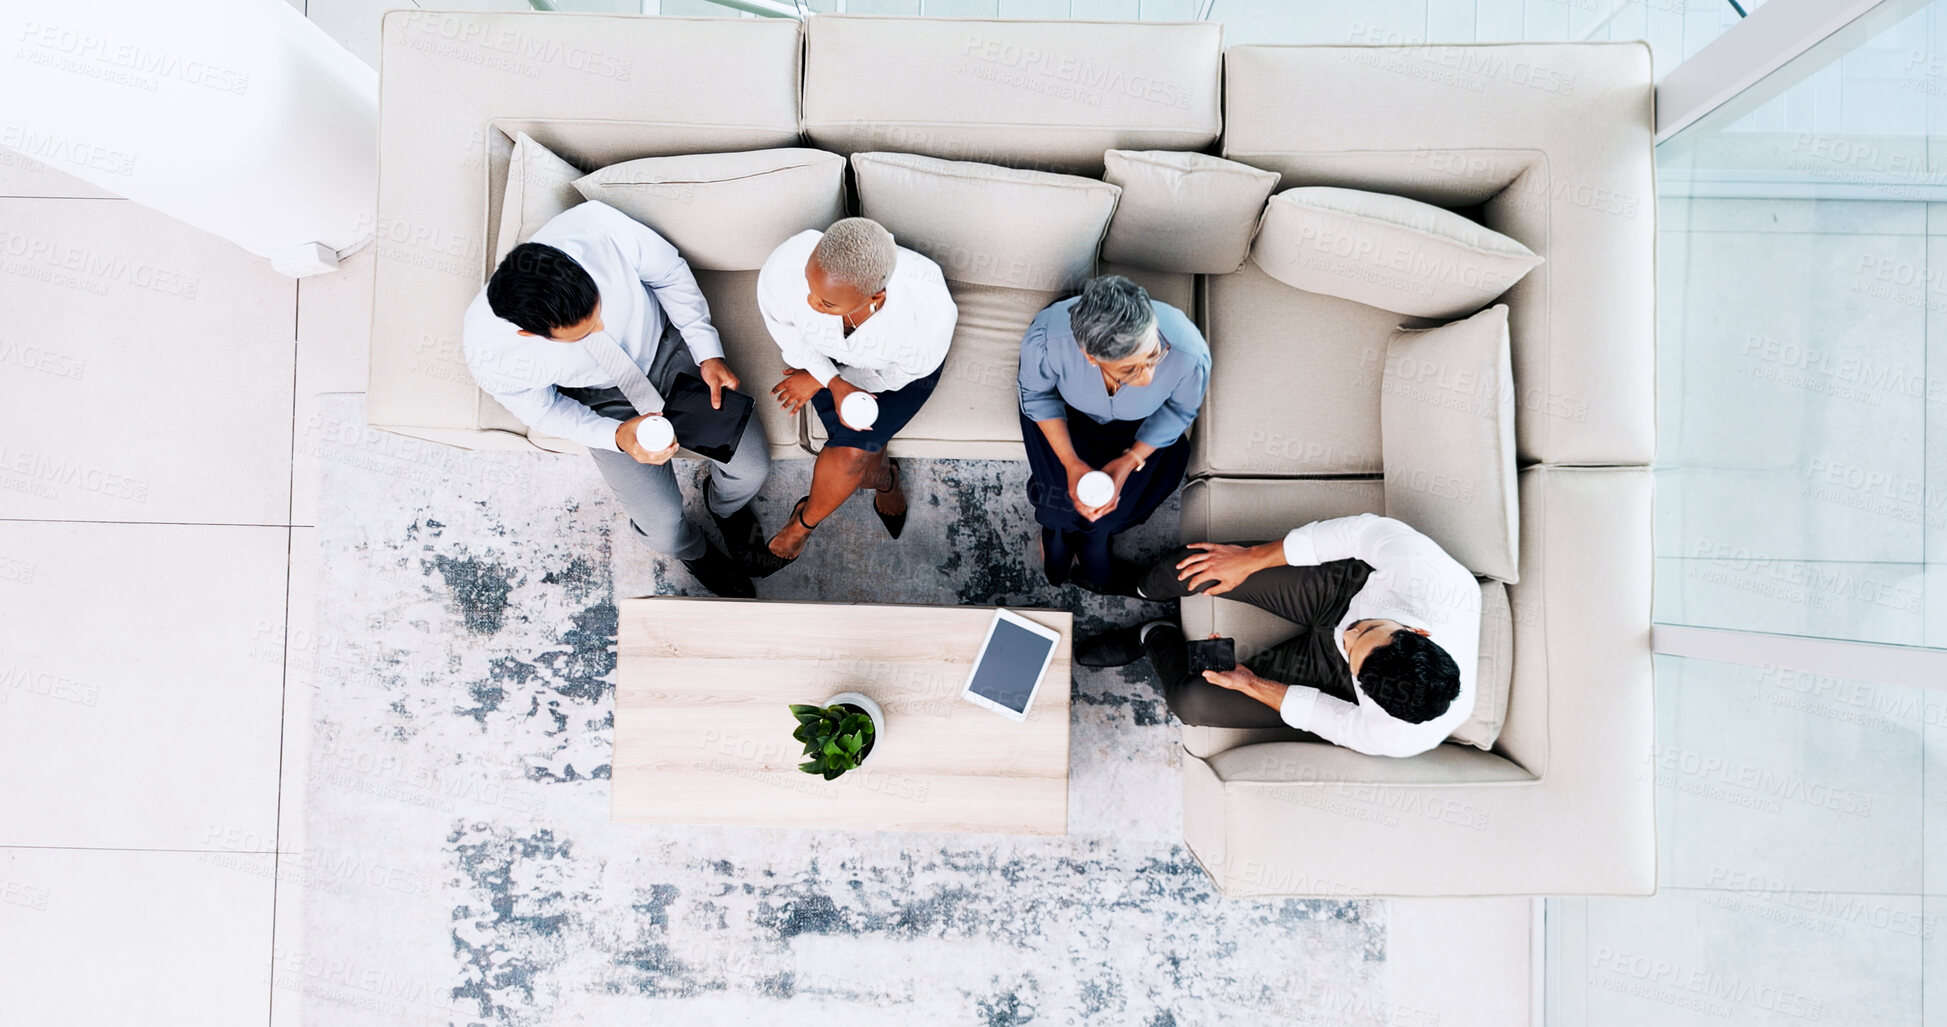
pixel 648 492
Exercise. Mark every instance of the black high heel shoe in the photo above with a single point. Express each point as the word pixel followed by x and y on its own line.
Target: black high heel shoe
pixel 895 523
pixel 763 562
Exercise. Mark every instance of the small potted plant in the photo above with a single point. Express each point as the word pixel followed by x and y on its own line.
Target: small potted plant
pixel 839 735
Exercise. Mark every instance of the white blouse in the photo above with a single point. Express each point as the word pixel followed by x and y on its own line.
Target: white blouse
pixel 903 341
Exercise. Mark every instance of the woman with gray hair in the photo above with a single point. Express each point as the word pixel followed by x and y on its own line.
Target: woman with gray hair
pixel 1110 381
pixel 863 325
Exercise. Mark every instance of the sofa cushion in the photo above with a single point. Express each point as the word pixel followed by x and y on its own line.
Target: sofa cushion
pixel 1494 674
pixel 539 186
pixel 749 350
pixel 1446 429
pixel 972 413
pixel 726 211
pixel 989 225
pixel 1184 212
pixel 1294 380
pixel 1041 94
pixel 1389 252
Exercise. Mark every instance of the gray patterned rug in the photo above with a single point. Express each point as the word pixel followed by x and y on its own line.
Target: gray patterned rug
pixel 450 858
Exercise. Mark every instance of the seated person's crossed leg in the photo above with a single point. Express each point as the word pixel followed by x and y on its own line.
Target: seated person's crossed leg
pixel 580 332
pixel 864 326
pixel 1383 661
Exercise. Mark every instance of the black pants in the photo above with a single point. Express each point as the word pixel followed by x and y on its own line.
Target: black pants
pixel 1313 598
pixel 1097 444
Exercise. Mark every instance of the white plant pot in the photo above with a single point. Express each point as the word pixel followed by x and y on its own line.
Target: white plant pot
pixel 872 710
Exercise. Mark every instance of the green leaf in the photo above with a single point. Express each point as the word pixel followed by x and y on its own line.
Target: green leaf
pixel 852 743
pixel 831 747
pixel 812 767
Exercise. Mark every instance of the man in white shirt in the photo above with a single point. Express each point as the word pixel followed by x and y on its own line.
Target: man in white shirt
pixel 579 333
pixel 1389 635
pixel 853 313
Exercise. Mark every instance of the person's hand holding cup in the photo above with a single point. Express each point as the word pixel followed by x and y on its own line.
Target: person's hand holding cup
pixel 650 439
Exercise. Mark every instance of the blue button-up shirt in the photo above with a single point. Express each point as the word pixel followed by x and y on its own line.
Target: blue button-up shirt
pixel 1055 375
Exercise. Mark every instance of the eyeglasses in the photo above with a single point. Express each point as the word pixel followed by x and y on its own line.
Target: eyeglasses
pixel 1145 368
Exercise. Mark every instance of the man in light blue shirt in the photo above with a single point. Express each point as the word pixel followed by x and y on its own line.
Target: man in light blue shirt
pixel 579 333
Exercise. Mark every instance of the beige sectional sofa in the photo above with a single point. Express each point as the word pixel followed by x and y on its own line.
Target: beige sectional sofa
pixel 1548 145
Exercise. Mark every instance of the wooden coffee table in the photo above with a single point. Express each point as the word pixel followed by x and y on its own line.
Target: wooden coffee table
pixel 703 733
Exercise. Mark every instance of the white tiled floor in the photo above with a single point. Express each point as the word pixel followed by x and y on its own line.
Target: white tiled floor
pixel 138 828
pixel 1793 880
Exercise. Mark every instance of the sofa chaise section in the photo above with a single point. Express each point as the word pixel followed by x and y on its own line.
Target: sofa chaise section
pixel 1565 802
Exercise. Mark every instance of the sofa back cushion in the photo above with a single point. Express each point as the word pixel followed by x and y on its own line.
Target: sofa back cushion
pixel 1446 430
pixel 726 211
pixel 1189 213
pixel 539 186
pixel 989 225
pixel 1038 94
pixel 1494 674
pixel 1387 251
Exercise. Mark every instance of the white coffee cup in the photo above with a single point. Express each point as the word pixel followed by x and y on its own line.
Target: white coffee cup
pixel 1095 489
pixel 654 433
pixel 859 410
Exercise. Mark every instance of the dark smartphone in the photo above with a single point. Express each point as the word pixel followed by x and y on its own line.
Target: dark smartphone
pixel 1213 654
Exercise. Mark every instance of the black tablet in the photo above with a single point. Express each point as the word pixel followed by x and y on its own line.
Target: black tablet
pixel 700 428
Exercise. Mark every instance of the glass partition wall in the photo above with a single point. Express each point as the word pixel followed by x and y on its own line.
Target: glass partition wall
pixel 1801 492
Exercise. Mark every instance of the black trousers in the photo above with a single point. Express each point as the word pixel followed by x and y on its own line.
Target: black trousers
pixel 1313 598
pixel 1097 444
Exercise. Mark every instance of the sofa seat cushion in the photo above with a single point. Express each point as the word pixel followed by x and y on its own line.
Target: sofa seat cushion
pixel 1446 413
pixel 989 225
pixel 1390 252
pixel 1041 94
pixel 539 186
pixel 1185 212
pixel 1294 380
pixel 726 211
pixel 973 411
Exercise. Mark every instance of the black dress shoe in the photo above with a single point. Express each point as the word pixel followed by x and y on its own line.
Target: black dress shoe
pixel 1123 578
pixel 721 575
pixel 742 535
pixel 1116 648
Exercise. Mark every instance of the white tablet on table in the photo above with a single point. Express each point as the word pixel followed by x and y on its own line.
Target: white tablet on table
pixel 1012 660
